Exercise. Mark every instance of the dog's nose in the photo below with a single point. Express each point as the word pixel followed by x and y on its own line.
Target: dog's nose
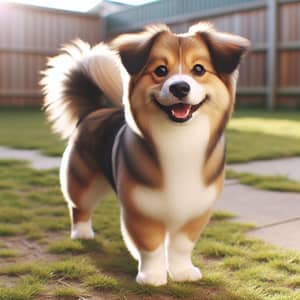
pixel 180 89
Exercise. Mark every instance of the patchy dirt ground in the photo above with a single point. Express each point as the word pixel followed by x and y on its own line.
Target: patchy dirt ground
pixel 39 261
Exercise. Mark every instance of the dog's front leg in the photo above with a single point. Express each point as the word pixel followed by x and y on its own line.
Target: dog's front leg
pixel 145 239
pixel 152 267
pixel 180 247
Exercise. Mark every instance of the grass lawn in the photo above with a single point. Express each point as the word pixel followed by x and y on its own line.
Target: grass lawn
pixel 272 183
pixel 252 134
pixel 28 129
pixel 39 261
pixel 256 135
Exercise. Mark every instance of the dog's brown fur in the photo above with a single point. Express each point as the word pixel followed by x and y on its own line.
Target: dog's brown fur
pixel 133 149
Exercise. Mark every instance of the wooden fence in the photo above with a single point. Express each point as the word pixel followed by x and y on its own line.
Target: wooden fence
pixel 28 36
pixel 270 75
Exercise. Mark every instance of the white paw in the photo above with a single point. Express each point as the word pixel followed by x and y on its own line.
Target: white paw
pixel 82 231
pixel 190 274
pixel 152 278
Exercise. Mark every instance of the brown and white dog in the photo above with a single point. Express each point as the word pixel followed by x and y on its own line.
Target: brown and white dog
pixel 146 119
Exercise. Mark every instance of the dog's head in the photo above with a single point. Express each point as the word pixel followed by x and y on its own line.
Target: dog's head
pixel 175 77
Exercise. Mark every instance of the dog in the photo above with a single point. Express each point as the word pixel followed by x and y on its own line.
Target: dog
pixel 145 116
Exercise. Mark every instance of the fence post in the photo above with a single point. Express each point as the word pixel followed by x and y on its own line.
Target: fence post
pixel 272 33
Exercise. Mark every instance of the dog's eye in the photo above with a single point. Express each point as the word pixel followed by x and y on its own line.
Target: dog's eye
pixel 161 71
pixel 198 70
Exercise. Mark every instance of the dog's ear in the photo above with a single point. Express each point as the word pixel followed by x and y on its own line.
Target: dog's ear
pixel 134 48
pixel 226 50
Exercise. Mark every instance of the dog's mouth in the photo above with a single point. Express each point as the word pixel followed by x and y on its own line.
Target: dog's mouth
pixel 179 112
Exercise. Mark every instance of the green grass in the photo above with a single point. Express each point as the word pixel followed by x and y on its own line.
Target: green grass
pixel 66 246
pixel 256 135
pixel 234 266
pixel 275 134
pixel 36 270
pixel 102 282
pixel 272 183
pixel 67 292
pixel 28 129
pixel 26 288
pixel 6 253
pixel 8 230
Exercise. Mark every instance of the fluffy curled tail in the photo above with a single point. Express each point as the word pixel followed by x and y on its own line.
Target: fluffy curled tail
pixel 78 81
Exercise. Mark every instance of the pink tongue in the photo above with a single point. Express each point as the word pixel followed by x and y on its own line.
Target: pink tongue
pixel 181 111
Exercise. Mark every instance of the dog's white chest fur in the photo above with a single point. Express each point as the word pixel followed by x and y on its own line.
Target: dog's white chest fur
pixel 181 152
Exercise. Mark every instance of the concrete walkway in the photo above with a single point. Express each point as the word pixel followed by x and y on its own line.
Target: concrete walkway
pixel 276 214
pixel 35 158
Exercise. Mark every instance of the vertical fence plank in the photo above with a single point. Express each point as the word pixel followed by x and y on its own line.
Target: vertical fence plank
pixel 272 23
pixel 27 36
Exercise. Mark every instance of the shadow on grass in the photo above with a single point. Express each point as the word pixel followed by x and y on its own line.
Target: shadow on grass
pixel 117 269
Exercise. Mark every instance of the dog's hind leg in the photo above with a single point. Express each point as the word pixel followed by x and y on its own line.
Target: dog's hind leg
pixel 82 189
